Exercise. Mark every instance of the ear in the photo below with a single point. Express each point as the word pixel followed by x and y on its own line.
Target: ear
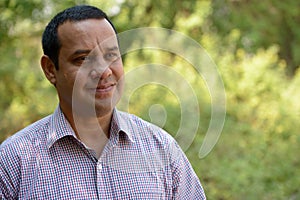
pixel 49 69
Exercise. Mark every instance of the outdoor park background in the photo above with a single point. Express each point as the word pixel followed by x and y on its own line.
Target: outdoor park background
pixel 256 47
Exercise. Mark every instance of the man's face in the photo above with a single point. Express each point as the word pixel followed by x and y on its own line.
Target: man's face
pixel 90 75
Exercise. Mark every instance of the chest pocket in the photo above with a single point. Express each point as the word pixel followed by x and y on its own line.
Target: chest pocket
pixel 137 185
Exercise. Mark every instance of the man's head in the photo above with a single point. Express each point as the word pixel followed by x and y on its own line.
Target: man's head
pixel 82 60
pixel 50 40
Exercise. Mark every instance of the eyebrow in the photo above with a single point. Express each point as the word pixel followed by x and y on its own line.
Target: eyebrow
pixel 81 51
pixel 114 48
pixel 87 51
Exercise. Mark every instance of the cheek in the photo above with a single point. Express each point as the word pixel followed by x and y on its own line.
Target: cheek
pixel 120 74
pixel 75 77
pixel 118 70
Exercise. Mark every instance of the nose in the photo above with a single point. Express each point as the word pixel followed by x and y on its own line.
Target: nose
pixel 107 73
pixel 100 68
pixel 101 74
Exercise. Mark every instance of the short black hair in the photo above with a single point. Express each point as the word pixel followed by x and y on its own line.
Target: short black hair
pixel 50 41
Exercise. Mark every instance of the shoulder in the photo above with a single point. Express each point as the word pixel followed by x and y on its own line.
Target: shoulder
pixel 156 145
pixel 25 137
pixel 141 129
pixel 152 138
pixel 16 153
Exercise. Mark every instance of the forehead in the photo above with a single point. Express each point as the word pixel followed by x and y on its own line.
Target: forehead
pixel 86 34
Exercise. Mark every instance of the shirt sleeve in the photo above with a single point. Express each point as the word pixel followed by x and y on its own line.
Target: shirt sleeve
pixel 9 174
pixel 186 184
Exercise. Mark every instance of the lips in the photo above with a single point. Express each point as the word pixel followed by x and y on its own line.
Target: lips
pixel 105 87
pixel 102 88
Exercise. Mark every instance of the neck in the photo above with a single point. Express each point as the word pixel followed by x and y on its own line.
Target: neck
pixel 85 126
pixel 92 131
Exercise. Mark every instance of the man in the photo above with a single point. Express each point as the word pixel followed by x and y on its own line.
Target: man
pixel 87 149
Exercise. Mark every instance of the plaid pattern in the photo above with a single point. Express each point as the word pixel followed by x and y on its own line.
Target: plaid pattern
pixel 140 161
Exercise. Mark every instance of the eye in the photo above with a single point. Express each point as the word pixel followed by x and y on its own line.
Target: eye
pixel 111 56
pixel 79 60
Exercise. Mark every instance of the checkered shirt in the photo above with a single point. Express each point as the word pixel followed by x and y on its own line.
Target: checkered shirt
pixel 140 161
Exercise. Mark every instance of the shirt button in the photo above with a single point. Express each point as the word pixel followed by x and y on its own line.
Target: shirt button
pixel 99 167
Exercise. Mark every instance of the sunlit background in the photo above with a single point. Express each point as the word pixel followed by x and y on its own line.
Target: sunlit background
pixel 256 47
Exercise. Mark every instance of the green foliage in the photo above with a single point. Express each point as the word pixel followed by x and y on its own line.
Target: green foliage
pixel 262 24
pixel 261 138
pixel 253 44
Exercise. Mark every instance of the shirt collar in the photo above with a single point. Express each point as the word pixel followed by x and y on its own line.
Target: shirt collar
pixel 121 123
pixel 59 127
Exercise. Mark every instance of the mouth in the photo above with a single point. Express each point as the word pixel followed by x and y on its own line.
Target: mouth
pixel 105 87
pixel 102 88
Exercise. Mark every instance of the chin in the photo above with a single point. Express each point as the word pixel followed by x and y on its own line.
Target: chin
pixel 102 110
pixel 104 106
pixel 97 107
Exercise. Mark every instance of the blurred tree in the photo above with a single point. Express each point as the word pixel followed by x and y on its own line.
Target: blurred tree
pixel 257 154
pixel 262 24
pixel 14 19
